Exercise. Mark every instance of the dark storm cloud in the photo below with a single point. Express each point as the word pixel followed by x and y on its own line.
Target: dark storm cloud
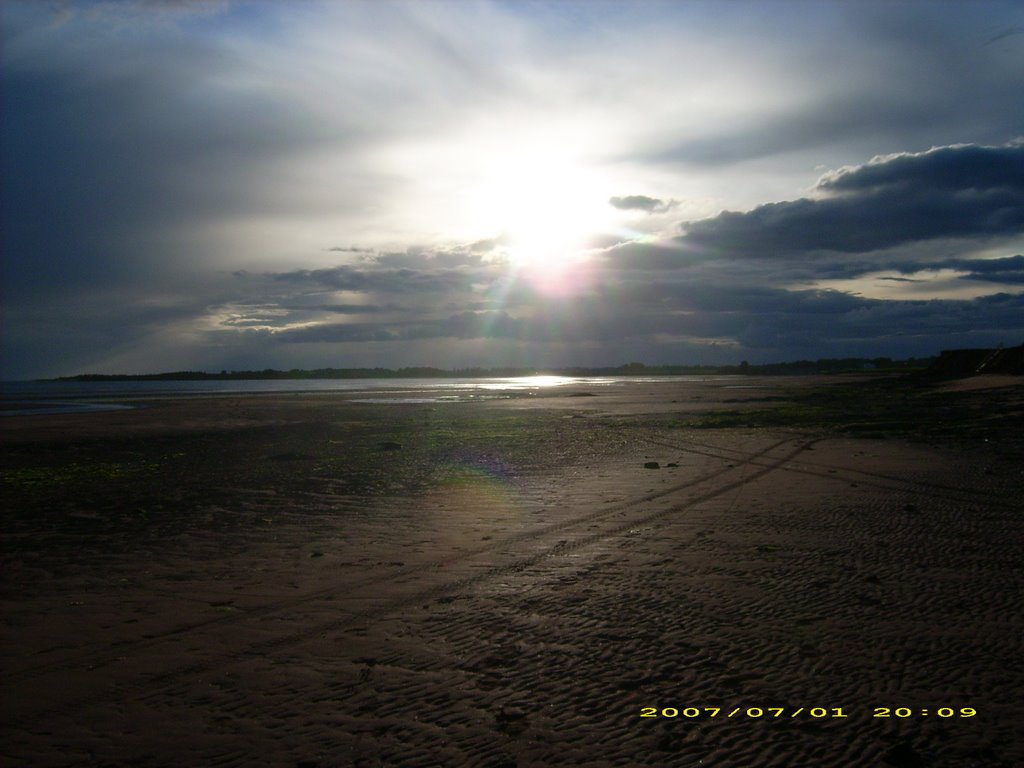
pixel 664 255
pixel 706 297
pixel 130 133
pixel 572 322
pixel 821 322
pixel 465 325
pixel 72 332
pixel 471 325
pixel 999 313
pixel 1008 270
pixel 921 258
pixel 1007 264
pixel 948 192
pixel 113 142
pixel 959 168
pixel 767 323
pixel 340 332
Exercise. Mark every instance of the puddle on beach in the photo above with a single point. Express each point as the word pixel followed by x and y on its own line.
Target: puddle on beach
pixel 41 407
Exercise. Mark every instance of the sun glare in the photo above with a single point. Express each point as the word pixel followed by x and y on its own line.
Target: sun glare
pixel 538 191
pixel 546 208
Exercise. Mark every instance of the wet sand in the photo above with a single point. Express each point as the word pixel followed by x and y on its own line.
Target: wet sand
pixel 306 581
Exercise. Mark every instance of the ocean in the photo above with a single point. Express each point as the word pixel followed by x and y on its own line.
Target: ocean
pixel 42 397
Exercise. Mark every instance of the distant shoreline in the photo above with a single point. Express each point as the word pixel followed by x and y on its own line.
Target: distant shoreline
pixel 798 367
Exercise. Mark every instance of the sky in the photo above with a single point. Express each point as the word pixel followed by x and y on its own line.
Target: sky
pixel 246 185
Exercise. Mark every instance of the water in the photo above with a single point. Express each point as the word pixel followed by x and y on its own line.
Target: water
pixel 39 397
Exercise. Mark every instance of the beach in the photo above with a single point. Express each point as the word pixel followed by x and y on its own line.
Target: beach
pixel 660 574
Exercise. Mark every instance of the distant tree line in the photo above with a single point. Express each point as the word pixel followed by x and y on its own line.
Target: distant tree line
pixel 793 368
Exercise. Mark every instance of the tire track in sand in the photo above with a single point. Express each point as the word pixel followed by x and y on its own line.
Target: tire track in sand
pixel 153 686
pixel 114 651
pixel 965 493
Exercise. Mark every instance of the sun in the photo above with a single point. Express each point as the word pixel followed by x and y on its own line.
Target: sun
pixel 547 206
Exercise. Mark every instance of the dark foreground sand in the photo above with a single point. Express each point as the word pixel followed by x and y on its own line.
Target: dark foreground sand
pixel 274 581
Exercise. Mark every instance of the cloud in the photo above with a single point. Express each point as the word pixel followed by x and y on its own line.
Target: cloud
pixel 957 168
pixel 432 258
pixel 770 321
pixel 226 184
pixel 886 75
pixel 641 203
pixel 1005 34
pixel 345 309
pixel 833 119
pixel 957 191
pixel 1008 270
pixel 395 281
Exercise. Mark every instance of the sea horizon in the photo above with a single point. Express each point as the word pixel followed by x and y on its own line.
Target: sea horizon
pixel 51 396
